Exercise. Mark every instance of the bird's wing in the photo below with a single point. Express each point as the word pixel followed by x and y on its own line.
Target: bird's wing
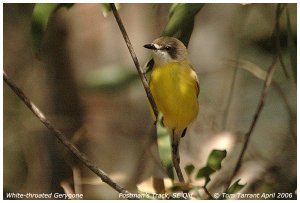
pixel 197 85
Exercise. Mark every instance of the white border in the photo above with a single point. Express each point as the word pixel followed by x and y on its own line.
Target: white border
pixel 132 1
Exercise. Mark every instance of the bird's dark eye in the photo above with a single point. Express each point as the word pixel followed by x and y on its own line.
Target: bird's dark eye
pixel 168 47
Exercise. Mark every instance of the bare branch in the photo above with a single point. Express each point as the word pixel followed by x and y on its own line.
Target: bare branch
pixel 61 137
pixel 135 60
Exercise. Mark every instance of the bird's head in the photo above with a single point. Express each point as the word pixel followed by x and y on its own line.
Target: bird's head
pixel 167 50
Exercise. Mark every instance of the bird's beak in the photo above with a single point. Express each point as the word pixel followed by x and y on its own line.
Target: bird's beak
pixel 150 46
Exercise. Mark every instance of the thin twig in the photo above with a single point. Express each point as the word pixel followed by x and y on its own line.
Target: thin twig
pixel 61 137
pixel 135 60
pixel 255 118
pixel 207 192
pixel 267 83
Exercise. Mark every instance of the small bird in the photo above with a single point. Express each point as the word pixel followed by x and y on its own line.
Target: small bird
pixel 175 89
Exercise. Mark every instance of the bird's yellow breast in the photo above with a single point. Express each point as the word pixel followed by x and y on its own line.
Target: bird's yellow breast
pixel 175 89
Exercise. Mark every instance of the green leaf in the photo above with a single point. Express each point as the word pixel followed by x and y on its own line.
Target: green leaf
pixel 206 171
pixel 181 21
pixel 235 187
pixel 215 158
pixel 164 146
pixel 189 169
pixel 213 164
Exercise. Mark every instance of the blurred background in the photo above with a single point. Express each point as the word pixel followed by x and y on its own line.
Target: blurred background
pixel 80 74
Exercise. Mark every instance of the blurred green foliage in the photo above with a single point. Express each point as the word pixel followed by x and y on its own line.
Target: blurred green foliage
pixel 181 21
pixel 109 78
pixel 40 17
pixel 180 25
